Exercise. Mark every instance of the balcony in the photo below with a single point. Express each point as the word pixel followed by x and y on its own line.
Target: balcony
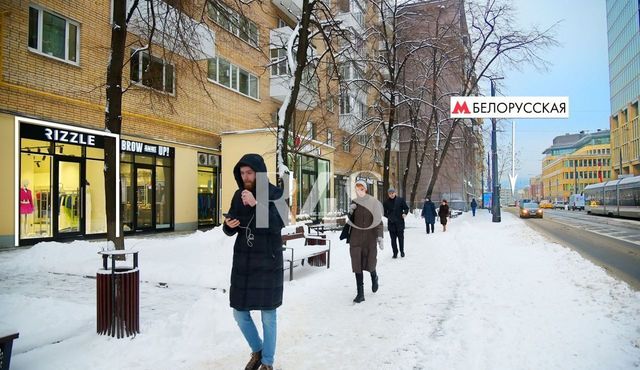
pixel 279 84
pixel 292 9
pixel 174 30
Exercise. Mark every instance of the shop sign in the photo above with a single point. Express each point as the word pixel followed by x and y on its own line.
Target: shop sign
pixel 57 135
pixel 144 148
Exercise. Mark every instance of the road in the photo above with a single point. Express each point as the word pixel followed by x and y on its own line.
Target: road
pixel 611 243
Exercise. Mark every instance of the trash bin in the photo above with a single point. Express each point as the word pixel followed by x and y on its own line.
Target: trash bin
pixel 118 300
pixel 6 343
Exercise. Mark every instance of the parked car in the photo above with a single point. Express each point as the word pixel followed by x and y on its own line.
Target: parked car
pixel 546 204
pixel 532 209
pixel 559 205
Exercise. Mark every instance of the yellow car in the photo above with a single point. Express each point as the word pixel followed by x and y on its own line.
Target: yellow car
pixel 546 205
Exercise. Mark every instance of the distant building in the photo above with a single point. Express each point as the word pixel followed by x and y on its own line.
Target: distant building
pixel 623 31
pixel 573 162
pixel 536 188
pixel 506 197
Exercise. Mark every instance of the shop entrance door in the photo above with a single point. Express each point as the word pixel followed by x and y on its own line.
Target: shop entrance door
pixel 306 186
pixel 144 197
pixel 68 200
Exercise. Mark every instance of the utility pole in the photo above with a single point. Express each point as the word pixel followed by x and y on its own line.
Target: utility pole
pixel 494 163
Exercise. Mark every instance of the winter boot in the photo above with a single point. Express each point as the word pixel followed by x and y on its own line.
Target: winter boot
pixel 360 285
pixel 255 361
pixel 266 367
pixel 374 281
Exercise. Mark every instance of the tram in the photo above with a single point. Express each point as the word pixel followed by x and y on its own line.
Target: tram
pixel 620 198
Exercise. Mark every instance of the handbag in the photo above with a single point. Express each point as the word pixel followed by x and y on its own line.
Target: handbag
pixel 346 232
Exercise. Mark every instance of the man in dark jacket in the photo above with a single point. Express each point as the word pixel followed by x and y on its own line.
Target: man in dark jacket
pixel 474 205
pixel 256 274
pixel 395 210
pixel 429 214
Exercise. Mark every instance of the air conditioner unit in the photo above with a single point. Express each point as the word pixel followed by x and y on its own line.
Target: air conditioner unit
pixel 213 160
pixel 203 159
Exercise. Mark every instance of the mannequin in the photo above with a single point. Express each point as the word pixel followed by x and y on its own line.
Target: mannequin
pixel 26 205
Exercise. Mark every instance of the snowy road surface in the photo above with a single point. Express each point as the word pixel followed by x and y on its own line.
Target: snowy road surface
pixel 480 296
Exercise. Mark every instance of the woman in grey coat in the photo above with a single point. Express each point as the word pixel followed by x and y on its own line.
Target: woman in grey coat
pixel 365 218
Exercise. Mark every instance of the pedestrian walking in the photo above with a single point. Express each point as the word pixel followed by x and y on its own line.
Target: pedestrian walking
pixel 429 214
pixel 474 205
pixel 256 273
pixel 443 213
pixel 365 219
pixel 395 210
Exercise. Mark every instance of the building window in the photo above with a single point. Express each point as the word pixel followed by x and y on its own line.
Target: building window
pixel 236 78
pixel 53 35
pixel 345 103
pixel 234 22
pixel 346 145
pixel 152 72
pixel 282 23
pixel 310 130
pixel 279 65
pixel 329 137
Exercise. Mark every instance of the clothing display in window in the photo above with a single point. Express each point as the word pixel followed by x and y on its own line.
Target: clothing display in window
pixel 26 201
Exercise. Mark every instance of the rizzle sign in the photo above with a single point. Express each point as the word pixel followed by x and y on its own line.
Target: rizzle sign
pixel 509 107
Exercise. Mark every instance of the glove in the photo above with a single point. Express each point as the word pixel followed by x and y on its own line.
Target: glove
pixel 380 244
pixel 352 207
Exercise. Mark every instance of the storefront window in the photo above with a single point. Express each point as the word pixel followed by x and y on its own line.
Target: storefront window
pixel 95 210
pixel 207 196
pixel 310 170
pixel 62 192
pixel 126 196
pixel 69 197
pixel 163 197
pixel 341 193
pixel 68 150
pixel 35 190
pixel 146 180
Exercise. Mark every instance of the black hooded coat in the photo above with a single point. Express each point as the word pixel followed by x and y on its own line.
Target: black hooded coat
pixel 257 273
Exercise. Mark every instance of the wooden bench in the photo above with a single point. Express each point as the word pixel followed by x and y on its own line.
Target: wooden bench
pixel 6 343
pixel 316 248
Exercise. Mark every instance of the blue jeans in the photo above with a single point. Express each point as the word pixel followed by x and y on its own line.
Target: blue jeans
pixel 269 330
pixel 473 210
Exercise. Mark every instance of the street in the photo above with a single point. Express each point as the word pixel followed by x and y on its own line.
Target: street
pixel 611 243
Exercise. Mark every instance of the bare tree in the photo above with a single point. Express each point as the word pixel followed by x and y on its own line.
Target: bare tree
pixel 149 24
pixel 463 54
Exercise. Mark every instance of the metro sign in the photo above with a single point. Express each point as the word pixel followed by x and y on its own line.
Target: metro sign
pixel 509 107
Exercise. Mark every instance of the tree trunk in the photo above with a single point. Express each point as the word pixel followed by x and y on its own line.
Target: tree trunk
pixel 301 62
pixel 405 170
pixel 387 145
pixel 113 119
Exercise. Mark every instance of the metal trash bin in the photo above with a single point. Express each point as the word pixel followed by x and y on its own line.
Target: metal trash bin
pixel 118 300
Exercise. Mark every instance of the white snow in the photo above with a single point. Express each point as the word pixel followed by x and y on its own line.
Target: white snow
pixel 480 296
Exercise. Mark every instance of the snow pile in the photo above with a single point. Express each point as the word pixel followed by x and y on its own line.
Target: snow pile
pixel 482 295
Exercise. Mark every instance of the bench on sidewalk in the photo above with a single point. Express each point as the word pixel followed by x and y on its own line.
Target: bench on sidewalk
pixel 299 247
pixel 6 343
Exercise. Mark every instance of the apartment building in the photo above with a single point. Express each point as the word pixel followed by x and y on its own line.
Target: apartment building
pixel 190 111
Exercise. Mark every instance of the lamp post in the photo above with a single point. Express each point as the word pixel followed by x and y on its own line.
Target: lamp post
pixel 495 203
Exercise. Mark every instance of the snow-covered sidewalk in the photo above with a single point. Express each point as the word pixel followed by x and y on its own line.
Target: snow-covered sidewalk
pixel 480 296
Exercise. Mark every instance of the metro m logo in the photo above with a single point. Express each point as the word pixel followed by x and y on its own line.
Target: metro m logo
pixel 461 108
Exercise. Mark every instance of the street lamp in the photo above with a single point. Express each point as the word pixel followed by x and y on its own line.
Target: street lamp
pixel 494 161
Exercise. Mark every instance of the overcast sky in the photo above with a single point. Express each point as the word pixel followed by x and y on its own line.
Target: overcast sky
pixel 579 69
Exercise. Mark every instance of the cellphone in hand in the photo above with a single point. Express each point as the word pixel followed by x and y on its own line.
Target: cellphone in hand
pixel 228 215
